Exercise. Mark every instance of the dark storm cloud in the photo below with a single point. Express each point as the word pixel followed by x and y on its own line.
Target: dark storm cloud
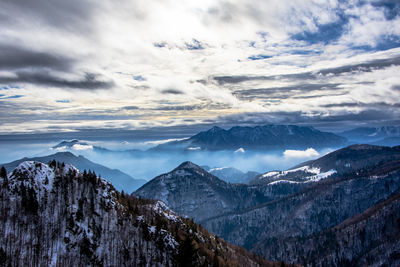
pixel 361 67
pixel 71 15
pixel 361 104
pixel 205 106
pixel 14 57
pixel 131 108
pixel 172 92
pixel 342 120
pixel 343 92
pixel 284 92
pixel 90 81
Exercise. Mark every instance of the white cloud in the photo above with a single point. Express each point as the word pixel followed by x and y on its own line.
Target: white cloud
pixel 82 147
pixel 309 153
pixel 117 42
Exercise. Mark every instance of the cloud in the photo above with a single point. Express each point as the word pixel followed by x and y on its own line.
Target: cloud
pixel 185 63
pixel 14 57
pixel 306 154
pixel 89 81
pixel 80 147
pixel 172 91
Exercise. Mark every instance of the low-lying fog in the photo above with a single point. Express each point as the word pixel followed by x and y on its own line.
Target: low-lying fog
pixel 146 165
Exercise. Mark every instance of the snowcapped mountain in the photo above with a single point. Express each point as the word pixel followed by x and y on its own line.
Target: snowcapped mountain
pixel 340 161
pixel 54 215
pixel 268 137
pixel 120 180
pixel 309 227
pixel 296 206
pixel 232 175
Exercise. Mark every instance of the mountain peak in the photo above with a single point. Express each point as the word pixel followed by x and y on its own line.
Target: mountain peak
pixel 188 165
pixel 215 129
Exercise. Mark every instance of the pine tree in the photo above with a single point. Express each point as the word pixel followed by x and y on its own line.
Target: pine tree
pixel 3 174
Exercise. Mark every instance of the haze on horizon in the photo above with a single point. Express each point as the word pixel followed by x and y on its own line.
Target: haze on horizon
pixel 68 65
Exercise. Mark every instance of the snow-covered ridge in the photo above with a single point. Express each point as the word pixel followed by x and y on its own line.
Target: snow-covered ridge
pixel 307 169
pixel 40 175
pixel 317 175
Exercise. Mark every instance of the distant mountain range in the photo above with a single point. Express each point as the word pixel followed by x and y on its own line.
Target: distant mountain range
pixel 54 215
pixel 385 135
pixel 120 180
pixel 298 206
pixel 268 137
pixel 232 175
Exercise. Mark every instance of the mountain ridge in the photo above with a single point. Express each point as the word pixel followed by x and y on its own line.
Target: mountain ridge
pixel 56 215
pixel 271 137
pixel 118 178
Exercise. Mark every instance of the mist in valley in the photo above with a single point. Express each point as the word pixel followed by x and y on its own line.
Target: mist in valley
pixel 135 159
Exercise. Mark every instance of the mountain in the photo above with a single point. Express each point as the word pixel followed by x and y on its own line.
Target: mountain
pixel 305 216
pixel 191 191
pixel 384 135
pixel 77 145
pixel 275 215
pixel 373 237
pixel 232 175
pixel 120 180
pixel 271 137
pixel 54 215
pixel 341 161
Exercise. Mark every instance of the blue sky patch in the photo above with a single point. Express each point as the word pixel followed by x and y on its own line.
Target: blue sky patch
pixel 259 57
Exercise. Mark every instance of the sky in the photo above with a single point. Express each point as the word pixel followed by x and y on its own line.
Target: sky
pixel 158 64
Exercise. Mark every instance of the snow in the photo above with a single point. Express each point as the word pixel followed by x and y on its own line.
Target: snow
pixel 321 176
pixel 152 229
pixel 164 191
pixel 240 150
pixel 41 174
pixel 161 208
pixel 69 168
pixel 283 173
pixel 218 169
pixel 284 181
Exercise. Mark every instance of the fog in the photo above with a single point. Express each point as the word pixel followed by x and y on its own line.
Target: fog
pixel 147 165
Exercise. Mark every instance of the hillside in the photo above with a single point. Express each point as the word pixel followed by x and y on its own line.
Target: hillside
pixel 320 206
pixel 191 191
pixel 120 180
pixel 54 215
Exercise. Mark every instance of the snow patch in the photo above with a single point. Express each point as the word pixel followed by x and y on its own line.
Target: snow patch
pixel 240 150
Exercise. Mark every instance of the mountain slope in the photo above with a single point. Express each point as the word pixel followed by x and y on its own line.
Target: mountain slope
pixel 341 161
pixel 271 137
pixel 372 134
pixel 120 180
pixel 373 237
pixel 192 191
pixel 320 206
pixel 232 175
pixel 53 215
